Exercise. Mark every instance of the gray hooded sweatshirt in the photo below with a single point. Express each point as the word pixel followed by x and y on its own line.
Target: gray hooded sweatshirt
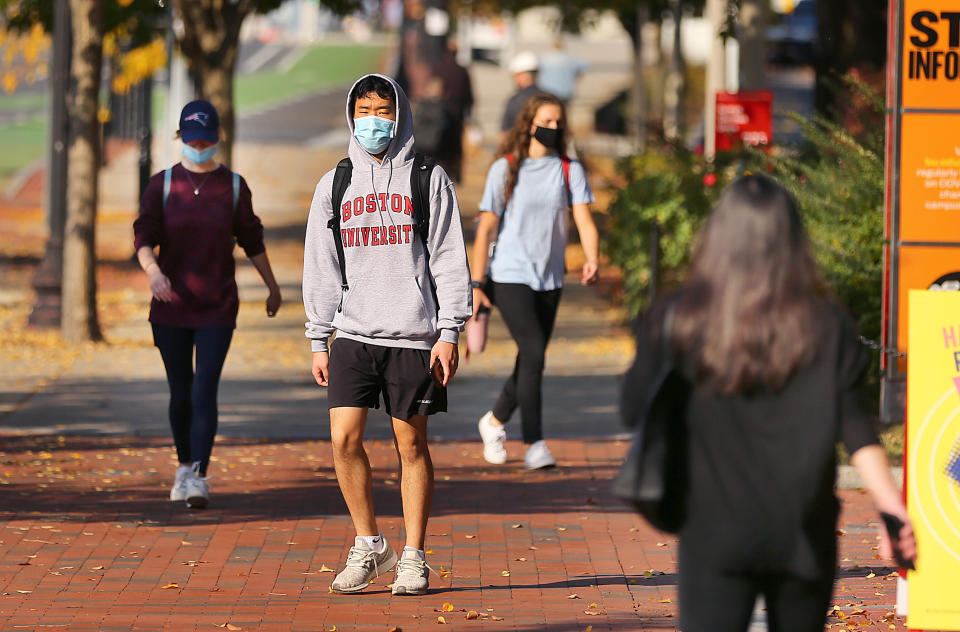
pixel 390 300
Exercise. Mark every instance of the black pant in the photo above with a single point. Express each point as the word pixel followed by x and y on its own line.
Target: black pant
pixel 193 395
pixel 715 600
pixel 529 316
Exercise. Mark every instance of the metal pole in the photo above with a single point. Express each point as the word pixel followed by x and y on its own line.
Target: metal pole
pixel 49 277
pixel 145 131
pixel 654 261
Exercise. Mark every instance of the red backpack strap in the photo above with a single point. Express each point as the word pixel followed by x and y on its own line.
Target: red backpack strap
pixel 565 162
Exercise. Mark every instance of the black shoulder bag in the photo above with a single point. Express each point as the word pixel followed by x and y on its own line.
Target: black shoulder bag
pixel 652 478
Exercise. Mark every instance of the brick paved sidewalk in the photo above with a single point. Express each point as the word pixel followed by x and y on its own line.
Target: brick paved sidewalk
pixel 89 542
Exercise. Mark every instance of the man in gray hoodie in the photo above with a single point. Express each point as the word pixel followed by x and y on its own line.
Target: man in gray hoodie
pixel 398 304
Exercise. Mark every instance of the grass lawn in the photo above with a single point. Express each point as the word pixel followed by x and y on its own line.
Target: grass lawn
pixel 322 67
pixel 22 144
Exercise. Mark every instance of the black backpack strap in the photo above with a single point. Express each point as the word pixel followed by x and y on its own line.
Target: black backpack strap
pixel 420 188
pixel 341 180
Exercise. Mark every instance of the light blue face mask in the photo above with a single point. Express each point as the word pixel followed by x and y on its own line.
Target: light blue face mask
pixel 197 156
pixel 373 132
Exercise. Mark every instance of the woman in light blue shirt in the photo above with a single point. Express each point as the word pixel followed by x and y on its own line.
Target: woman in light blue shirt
pixel 525 209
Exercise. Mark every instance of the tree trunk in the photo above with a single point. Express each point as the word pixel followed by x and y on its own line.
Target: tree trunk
pixel 715 12
pixel 753 49
pixel 637 119
pixel 210 41
pixel 79 321
pixel 674 122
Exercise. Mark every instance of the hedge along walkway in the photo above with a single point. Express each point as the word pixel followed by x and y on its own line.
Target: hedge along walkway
pixel 88 541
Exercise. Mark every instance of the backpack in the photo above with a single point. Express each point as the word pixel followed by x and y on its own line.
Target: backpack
pixel 435 126
pixel 420 191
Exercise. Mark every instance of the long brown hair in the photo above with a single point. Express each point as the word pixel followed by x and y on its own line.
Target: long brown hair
pixel 749 310
pixel 517 141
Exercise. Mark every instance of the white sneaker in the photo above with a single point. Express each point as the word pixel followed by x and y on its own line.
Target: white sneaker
pixel 179 489
pixel 198 491
pixel 413 575
pixel 493 436
pixel 363 565
pixel 538 456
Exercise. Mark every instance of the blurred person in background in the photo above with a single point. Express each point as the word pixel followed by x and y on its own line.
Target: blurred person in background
pixel 775 365
pixel 524 68
pixel 529 193
pixel 559 71
pixel 196 212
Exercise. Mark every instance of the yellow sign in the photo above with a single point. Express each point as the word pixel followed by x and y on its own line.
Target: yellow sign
pixel 933 458
pixel 931 54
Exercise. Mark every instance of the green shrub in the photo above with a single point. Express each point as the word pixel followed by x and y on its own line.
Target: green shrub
pixel 673 187
pixel 836 178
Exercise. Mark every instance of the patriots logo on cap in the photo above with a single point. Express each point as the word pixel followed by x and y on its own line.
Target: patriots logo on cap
pixel 199 117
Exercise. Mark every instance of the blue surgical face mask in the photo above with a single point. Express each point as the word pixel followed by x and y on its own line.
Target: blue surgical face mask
pixel 197 156
pixel 373 132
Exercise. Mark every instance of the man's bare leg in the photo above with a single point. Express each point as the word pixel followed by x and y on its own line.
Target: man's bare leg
pixel 353 467
pixel 416 476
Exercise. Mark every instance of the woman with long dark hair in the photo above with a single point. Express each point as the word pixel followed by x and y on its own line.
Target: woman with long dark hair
pixel 196 212
pixel 774 363
pixel 526 203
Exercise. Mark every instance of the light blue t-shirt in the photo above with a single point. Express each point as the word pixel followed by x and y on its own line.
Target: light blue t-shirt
pixel 533 231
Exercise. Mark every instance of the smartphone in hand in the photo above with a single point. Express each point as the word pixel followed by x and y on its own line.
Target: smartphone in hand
pixel 893 525
pixel 437 372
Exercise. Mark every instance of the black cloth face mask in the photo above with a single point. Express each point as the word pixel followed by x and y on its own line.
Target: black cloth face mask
pixel 549 137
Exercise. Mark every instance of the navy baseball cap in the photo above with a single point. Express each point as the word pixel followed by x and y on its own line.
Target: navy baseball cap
pixel 199 121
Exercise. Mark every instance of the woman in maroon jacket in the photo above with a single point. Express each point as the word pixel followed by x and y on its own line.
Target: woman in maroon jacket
pixel 195 212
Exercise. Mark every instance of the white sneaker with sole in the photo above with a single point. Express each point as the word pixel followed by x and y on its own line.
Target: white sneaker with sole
pixel 413 575
pixel 538 456
pixel 363 565
pixel 493 436
pixel 198 491
pixel 179 489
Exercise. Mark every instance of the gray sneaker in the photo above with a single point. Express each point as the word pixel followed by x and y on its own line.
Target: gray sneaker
pixel 362 566
pixel 413 575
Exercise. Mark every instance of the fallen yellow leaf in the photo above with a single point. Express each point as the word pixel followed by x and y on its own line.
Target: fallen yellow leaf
pixel 447 607
pixel 325 569
pixel 171 585
pixel 441 620
pixel 505 573
pixel 573 596
pixel 665 601
pixel 516 526
pixel 428 552
pixel 472 614
pixel 469 536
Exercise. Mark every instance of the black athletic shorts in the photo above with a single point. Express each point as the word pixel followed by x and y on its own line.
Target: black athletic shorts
pixel 360 372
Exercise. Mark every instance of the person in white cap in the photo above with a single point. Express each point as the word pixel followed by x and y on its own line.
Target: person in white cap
pixel 524 67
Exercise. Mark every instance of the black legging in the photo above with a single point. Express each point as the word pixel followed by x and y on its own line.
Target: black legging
pixel 193 395
pixel 716 600
pixel 529 316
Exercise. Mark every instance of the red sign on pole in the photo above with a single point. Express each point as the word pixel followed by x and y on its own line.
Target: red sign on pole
pixel 744 118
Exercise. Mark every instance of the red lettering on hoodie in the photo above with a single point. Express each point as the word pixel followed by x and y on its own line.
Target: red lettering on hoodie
pixel 407 206
pixel 346 210
pixel 365 233
pixel 371 203
pixel 393 235
pixel 396 202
